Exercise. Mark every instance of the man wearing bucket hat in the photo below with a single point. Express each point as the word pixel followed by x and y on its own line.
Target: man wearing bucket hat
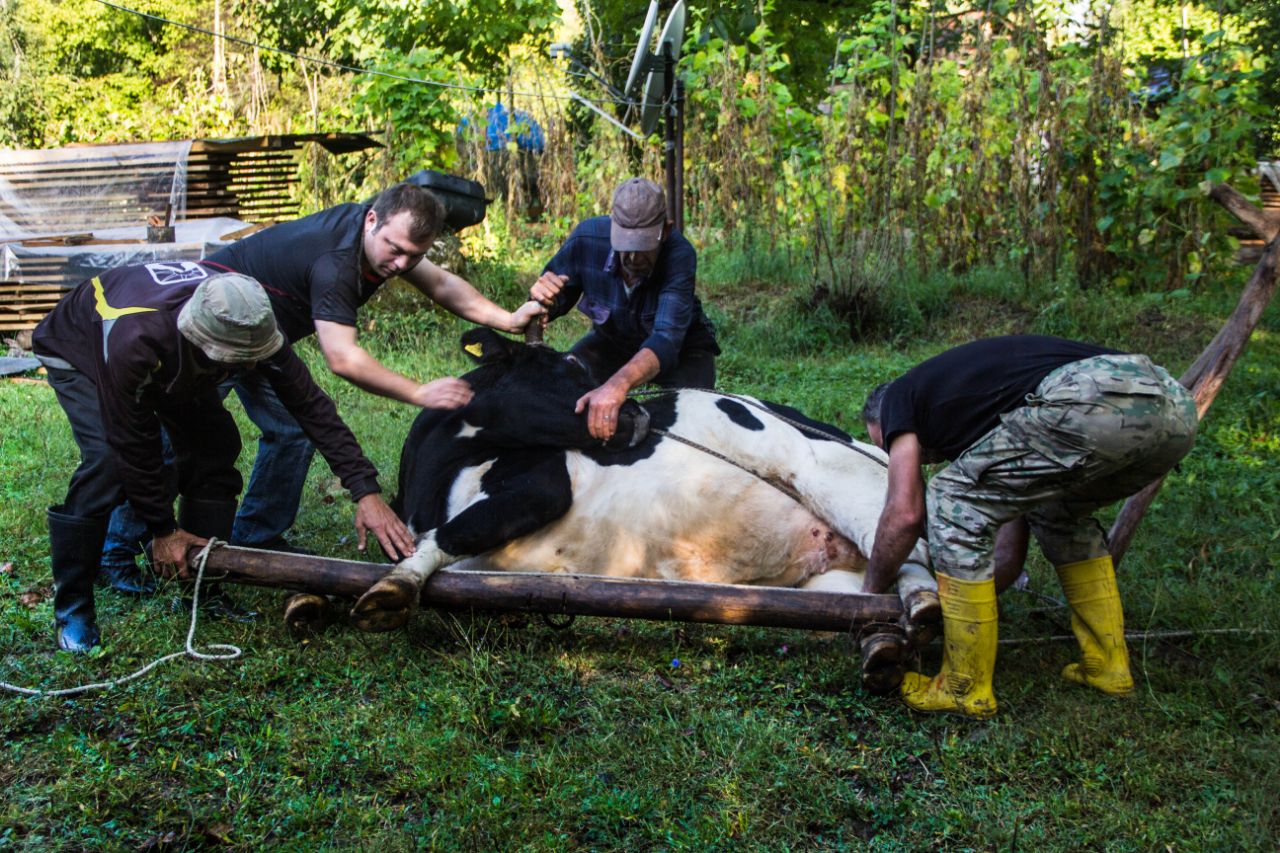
pixel 318 272
pixel 633 275
pixel 145 347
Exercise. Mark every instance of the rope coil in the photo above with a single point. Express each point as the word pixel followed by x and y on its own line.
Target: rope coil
pixel 215 651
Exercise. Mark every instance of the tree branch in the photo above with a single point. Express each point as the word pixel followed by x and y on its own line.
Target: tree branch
pixel 1210 370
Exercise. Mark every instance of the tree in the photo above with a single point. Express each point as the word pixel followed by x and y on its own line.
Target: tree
pixel 359 32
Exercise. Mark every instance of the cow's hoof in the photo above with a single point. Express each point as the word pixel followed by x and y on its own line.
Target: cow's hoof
pixel 923 622
pixel 307 614
pixel 884 658
pixel 924 606
pixel 386 606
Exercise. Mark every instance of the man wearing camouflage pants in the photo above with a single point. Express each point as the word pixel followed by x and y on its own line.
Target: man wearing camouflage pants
pixel 1035 427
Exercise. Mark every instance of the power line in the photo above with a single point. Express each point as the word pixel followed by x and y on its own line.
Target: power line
pixel 328 62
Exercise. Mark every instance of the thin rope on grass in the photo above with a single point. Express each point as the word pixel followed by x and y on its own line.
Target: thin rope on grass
pixel 1141 635
pixel 216 651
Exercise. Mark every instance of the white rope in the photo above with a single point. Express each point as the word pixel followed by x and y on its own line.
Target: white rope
pixel 216 651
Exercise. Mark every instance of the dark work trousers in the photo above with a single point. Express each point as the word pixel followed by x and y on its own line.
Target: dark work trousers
pixel 205 442
pixel 696 368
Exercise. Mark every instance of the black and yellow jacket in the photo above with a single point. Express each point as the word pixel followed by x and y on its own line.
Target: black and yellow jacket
pixel 121 330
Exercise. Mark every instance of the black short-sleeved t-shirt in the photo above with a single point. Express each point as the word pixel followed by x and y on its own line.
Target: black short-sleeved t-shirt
pixel 953 399
pixel 310 268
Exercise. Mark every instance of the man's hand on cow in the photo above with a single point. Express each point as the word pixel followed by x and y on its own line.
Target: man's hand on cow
pixel 530 312
pixel 602 407
pixel 544 290
pixel 446 393
pixel 169 552
pixel 373 515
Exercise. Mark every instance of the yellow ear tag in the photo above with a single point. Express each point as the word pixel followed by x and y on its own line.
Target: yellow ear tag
pixel 475 349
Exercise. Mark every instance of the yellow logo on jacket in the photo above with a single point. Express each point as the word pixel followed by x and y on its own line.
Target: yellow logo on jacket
pixel 106 311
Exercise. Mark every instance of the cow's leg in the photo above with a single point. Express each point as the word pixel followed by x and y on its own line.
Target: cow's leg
pixel 921 609
pixel 389 603
pixel 885 647
pixel 307 614
pixel 885 652
pixel 519 494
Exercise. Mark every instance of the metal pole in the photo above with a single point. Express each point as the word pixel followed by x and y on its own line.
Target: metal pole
pixel 679 158
pixel 669 129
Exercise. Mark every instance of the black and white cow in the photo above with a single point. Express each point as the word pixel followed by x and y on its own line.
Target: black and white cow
pixel 515 476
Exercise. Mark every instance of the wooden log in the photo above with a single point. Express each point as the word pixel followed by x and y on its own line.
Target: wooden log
pixel 1210 370
pixel 567 594
pixel 1264 223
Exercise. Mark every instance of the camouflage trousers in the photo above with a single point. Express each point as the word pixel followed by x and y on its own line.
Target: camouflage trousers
pixel 1093 432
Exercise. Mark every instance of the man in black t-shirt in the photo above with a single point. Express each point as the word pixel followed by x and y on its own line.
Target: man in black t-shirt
pixel 1034 427
pixel 318 271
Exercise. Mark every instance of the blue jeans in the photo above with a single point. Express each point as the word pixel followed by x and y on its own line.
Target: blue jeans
pixel 270 504
pixel 126 535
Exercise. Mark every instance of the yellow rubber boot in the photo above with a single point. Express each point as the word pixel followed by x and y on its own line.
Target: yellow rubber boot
pixel 1097 620
pixel 968 653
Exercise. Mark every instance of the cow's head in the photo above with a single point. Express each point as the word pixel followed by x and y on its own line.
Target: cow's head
pixel 525 396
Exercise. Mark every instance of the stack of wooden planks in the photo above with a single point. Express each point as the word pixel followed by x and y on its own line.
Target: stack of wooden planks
pixel 250 179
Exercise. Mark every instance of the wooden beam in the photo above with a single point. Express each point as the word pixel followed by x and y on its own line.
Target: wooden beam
pixel 567 594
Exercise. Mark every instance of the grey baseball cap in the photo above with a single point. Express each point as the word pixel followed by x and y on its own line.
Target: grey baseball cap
pixel 229 318
pixel 639 212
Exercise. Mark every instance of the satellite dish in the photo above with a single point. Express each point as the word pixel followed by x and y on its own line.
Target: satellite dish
pixel 655 83
pixel 642 50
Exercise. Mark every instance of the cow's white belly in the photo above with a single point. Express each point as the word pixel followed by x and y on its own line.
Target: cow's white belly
pixel 681 515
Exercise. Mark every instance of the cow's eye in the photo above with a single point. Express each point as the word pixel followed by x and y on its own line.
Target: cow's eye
pixel 574 360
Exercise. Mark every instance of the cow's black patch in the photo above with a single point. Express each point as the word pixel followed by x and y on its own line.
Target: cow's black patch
pixel 525 490
pixel 431 458
pixel 738 414
pixel 817 429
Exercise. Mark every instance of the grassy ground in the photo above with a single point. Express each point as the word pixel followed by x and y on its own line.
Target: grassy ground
pixel 468 733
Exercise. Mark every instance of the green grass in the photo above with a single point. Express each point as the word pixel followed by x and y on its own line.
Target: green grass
pixel 469 733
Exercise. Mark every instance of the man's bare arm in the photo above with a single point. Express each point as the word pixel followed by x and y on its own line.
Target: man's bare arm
pixel 352 362
pixel 458 296
pixel 902 520
pixel 603 403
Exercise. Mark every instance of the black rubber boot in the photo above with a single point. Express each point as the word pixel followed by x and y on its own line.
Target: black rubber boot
pixel 210 519
pixel 75 546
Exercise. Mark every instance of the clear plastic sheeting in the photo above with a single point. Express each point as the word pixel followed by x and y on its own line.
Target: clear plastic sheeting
pixel 91 188
pixel 114 247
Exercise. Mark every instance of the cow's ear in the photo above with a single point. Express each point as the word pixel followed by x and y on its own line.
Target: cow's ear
pixel 486 345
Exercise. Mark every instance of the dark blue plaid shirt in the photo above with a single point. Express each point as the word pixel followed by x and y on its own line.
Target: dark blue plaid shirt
pixel 662 314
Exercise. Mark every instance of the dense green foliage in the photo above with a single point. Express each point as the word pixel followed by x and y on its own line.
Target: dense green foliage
pixel 1049 135
pixel 984 142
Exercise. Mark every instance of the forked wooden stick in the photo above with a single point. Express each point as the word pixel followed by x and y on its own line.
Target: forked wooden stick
pixel 1210 370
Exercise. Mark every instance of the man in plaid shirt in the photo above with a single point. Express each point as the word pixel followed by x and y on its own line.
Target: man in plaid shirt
pixel 633 275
